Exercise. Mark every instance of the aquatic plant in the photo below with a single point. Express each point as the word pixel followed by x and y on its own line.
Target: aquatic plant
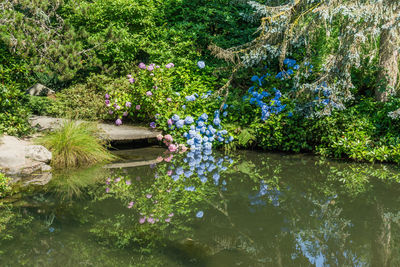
pixel 75 144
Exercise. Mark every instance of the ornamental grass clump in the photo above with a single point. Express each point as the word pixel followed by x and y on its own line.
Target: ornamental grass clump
pixel 76 145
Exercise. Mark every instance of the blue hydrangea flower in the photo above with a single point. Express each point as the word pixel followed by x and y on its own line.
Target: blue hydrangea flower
pixel 204 117
pixel 175 117
pixel 216 121
pixel 200 214
pixel 201 64
pixel 180 123
pixel 189 120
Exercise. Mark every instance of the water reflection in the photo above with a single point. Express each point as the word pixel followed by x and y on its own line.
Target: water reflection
pixel 203 209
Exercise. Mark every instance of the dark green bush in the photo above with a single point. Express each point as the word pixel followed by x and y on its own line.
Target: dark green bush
pixel 13 111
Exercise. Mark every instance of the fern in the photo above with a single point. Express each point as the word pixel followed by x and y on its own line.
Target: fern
pixel 246 137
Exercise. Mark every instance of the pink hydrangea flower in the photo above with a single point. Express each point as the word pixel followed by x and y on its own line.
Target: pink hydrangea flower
pixel 110 112
pixel 167 220
pixel 137 107
pixel 150 67
pixel 125 114
pixel 183 148
pixel 159 137
pixel 130 205
pixel 159 159
pixel 170 122
pixel 107 190
pixel 172 148
pixel 118 122
pixel 129 76
pixel 168 138
pixel 131 80
pixel 117 107
pixel 169 158
pixel 142 220
pixel 128 104
pixel 149 93
pixel 169 173
pixel 149 195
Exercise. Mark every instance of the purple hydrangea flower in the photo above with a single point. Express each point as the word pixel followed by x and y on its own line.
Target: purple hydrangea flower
pixel 170 65
pixel 153 124
pixel 107 96
pixel 150 67
pixel 149 93
pixel 131 80
pixel 128 104
pixel 118 122
pixel 142 66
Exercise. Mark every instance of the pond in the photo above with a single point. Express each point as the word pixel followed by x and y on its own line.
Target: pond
pixel 246 209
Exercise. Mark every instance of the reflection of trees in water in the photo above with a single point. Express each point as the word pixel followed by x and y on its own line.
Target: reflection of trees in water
pixel 320 211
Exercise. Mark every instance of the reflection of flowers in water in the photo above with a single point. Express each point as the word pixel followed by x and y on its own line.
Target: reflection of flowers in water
pixel 200 163
pixel 272 193
pixel 179 184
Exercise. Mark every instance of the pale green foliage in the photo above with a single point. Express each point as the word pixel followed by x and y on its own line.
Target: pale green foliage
pixel 338 35
pixel 75 145
pixel 246 137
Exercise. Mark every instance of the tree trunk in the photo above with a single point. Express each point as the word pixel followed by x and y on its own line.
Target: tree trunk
pixel 388 63
pixel 381 243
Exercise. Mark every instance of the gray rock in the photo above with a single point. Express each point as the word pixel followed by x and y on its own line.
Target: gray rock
pixel 38 153
pixel 40 90
pixel 41 179
pixel 20 157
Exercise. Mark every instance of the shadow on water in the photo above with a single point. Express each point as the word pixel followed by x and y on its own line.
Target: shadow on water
pixel 197 209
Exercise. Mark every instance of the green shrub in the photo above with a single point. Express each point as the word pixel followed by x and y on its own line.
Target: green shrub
pixel 4 185
pixel 85 100
pixel 76 145
pixel 13 112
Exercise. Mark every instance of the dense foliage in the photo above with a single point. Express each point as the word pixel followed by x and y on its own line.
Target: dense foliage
pixel 335 95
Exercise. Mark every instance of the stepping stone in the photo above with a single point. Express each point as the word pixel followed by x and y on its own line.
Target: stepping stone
pixel 108 131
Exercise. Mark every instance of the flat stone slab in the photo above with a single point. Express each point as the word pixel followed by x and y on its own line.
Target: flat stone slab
pixel 130 164
pixel 107 131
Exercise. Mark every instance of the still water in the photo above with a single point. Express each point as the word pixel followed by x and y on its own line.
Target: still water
pixel 246 209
